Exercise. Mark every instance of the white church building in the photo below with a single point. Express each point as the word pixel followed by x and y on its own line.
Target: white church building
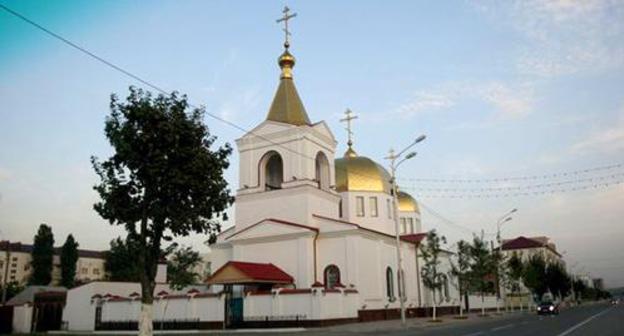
pixel 325 220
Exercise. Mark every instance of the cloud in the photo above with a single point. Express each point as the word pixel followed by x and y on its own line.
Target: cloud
pixel 423 102
pixel 609 140
pixel 507 101
pixel 561 37
pixel 4 174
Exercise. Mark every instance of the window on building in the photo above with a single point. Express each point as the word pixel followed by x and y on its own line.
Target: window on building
pixel 13 271
pixel 331 276
pixel 403 228
pixel 272 171
pixel 340 209
pixel 96 271
pixel 389 208
pixel 389 284
pixel 359 206
pixel 84 270
pixel 410 224
pixel 373 206
pixel 26 267
pixel 14 259
pixel 14 265
pixel 322 171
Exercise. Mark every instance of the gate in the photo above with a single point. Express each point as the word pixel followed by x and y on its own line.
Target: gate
pixel 48 311
pixel 234 312
pixel 6 319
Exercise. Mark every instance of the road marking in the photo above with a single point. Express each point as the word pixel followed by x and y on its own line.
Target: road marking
pixel 569 331
pixel 475 334
pixel 502 327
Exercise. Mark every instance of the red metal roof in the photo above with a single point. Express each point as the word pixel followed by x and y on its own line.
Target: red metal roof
pixel 258 272
pixel 415 238
pixel 521 243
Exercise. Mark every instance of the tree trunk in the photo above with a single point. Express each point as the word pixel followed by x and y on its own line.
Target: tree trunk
pixel 145 319
pixel 434 304
pixel 482 304
pixel 461 305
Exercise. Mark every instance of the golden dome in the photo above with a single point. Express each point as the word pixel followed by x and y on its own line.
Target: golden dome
pixel 407 203
pixel 359 173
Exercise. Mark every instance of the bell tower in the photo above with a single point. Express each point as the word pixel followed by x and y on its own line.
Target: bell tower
pixel 286 163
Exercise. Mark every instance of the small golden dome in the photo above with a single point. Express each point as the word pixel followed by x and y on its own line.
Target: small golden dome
pixel 359 173
pixel 407 203
pixel 286 62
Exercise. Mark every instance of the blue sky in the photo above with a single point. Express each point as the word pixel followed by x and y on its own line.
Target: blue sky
pixel 500 88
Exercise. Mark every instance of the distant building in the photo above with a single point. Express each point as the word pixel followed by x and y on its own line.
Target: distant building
pixel 15 259
pixel 598 283
pixel 525 247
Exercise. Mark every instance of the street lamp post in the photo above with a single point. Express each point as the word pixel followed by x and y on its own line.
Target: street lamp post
pixel 505 218
pixel 394 157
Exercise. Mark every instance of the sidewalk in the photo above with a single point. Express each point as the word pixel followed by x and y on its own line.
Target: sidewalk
pixel 410 323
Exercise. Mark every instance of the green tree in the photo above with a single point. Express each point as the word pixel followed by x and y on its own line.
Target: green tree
pixel 163 180
pixel 42 254
pixel 120 264
pixel 557 280
pixel 534 276
pixel 482 268
pixel 12 288
pixel 461 270
pixel 431 276
pixel 181 266
pixel 515 269
pixel 69 257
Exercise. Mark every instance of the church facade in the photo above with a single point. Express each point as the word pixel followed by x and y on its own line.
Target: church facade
pixel 309 218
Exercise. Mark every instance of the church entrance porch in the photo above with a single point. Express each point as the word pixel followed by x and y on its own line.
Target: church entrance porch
pixel 239 278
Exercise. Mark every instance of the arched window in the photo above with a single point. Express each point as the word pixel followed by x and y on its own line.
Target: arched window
pixel 331 276
pixel 389 284
pixel 322 171
pixel 445 287
pixel 272 171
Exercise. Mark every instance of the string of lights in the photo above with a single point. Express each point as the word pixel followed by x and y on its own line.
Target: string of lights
pixel 419 195
pixel 597 179
pixel 518 178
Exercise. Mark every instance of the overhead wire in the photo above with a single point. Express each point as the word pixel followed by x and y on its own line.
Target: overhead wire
pixel 251 132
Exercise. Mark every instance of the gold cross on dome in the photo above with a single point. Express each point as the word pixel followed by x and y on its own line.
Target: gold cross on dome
pixel 349 117
pixel 285 19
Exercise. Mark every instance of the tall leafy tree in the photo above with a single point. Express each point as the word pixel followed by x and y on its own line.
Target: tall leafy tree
pixel 42 256
pixel 483 267
pixel 461 270
pixel 120 264
pixel 534 276
pixel 163 180
pixel 557 280
pixel 432 277
pixel 69 257
pixel 181 266
pixel 515 270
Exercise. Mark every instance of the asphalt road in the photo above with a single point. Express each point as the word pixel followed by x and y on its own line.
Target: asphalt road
pixel 593 320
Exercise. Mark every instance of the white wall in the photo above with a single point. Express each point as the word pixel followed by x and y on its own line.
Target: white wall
pixel 181 308
pixel 22 319
pixel 489 302
pixel 79 311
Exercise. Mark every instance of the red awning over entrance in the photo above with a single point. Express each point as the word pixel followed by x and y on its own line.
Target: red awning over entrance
pixel 238 272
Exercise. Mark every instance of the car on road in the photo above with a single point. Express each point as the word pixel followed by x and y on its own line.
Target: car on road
pixel 615 301
pixel 548 308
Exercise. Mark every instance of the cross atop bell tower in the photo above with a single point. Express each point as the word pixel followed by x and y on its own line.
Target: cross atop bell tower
pixel 349 116
pixel 285 19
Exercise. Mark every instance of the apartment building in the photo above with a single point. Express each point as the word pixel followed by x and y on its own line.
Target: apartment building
pixel 15 259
